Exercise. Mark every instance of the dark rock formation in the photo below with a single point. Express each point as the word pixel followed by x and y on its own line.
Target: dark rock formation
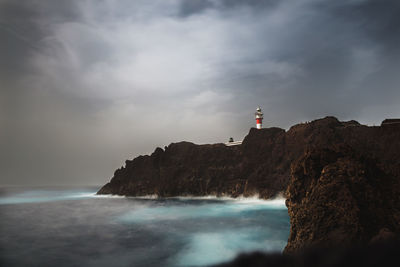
pixel 181 169
pixel 347 192
pixel 378 254
pixel 390 121
pixel 338 198
pixel 261 165
pixel 187 169
pixel 341 178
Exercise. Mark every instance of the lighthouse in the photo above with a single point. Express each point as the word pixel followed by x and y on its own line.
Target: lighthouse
pixel 259 118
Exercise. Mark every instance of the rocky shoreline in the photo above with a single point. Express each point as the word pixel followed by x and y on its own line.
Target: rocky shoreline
pixel 341 179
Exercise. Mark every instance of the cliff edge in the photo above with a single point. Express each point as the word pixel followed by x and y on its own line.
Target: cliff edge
pixel 261 165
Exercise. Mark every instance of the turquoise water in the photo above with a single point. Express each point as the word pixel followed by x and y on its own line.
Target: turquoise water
pixel 40 195
pixel 73 227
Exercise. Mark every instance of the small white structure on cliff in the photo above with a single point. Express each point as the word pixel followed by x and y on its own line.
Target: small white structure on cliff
pixel 233 143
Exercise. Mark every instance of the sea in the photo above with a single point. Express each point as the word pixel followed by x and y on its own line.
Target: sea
pixel 64 226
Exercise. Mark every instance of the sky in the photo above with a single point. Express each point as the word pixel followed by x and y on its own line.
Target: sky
pixel 87 84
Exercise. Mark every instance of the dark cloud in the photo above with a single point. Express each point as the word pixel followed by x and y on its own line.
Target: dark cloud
pixel 87 84
pixel 192 7
pixel 188 8
pixel 18 35
pixel 250 3
pixel 379 20
pixel 23 24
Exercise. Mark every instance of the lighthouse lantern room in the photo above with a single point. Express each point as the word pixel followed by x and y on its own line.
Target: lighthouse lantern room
pixel 259 118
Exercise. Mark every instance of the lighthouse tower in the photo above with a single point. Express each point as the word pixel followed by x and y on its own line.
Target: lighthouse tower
pixel 259 118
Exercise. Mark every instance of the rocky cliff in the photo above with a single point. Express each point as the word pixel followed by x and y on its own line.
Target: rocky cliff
pixel 341 179
pixel 261 165
pixel 339 197
pixel 346 193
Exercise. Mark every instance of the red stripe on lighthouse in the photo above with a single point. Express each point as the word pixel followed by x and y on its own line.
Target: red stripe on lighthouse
pixel 259 121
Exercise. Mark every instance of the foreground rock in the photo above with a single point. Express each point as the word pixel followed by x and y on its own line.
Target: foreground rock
pixel 373 255
pixel 339 198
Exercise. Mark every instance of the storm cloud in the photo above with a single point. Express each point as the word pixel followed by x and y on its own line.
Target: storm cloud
pixel 85 85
